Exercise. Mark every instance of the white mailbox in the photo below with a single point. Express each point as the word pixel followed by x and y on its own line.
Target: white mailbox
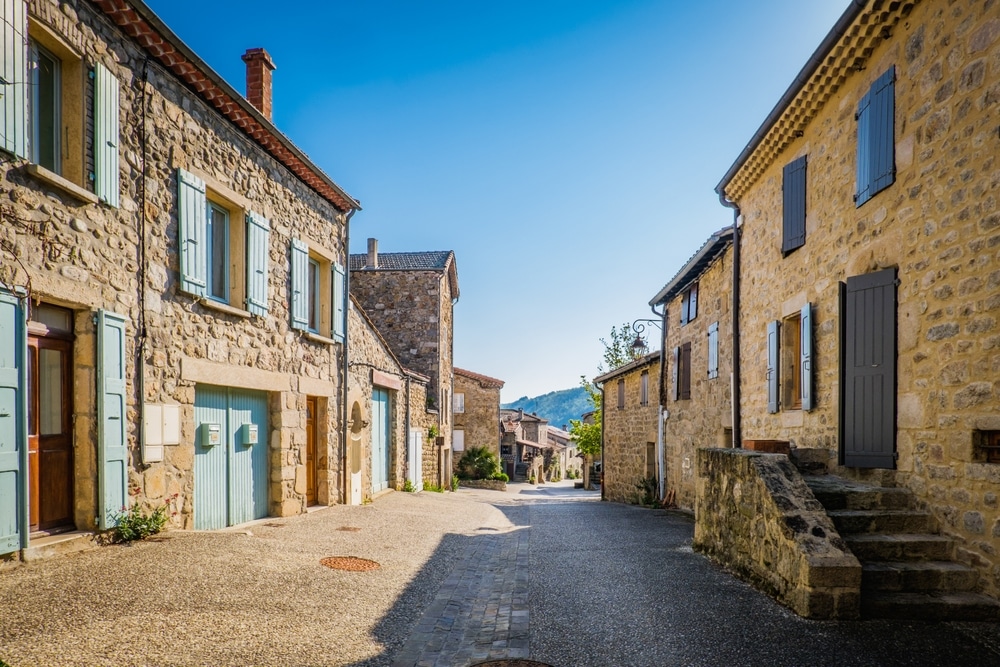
pixel 250 434
pixel 211 435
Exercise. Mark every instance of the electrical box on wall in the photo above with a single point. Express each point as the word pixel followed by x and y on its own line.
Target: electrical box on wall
pixel 161 425
pixel 211 435
pixel 250 434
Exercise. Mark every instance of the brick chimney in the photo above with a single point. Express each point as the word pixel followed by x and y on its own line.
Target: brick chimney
pixel 259 68
pixel 372 261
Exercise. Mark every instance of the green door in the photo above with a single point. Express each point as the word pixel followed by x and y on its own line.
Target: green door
pixel 380 439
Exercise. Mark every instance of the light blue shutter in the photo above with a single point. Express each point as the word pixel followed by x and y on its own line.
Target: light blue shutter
pixel 106 135
pixel 713 350
pixel 13 423
pixel 300 284
pixel 13 59
pixel 806 365
pixel 258 235
pixel 772 365
pixel 193 232
pixel 339 299
pixel 112 442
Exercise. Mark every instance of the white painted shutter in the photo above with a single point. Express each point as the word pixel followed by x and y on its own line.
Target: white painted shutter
pixel 458 403
pixel 13 69
pixel 106 132
pixel 806 361
pixel 339 298
pixel 13 424
pixel 458 440
pixel 300 285
pixel 192 225
pixel 713 350
pixel 112 440
pixel 772 365
pixel 258 239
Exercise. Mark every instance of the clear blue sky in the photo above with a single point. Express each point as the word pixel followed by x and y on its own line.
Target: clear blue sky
pixel 566 150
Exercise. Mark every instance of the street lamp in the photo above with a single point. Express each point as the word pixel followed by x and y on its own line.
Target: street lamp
pixel 639 344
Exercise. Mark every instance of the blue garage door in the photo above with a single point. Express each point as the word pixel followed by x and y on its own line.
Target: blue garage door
pixel 380 439
pixel 230 476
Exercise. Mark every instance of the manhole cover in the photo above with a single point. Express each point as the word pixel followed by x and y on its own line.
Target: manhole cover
pixel 349 563
pixel 512 663
pixel 349 529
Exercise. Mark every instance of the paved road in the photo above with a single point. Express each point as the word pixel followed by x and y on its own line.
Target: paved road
pixel 547 573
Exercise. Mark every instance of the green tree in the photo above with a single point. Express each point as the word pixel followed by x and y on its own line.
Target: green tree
pixel 587 435
pixel 618 351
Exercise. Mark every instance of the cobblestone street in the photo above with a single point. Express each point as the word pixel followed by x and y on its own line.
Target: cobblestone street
pixel 548 573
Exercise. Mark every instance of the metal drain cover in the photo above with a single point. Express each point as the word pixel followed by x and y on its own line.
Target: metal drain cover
pixel 349 563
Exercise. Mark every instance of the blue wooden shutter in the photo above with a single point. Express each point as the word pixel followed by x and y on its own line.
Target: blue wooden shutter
pixel 883 144
pixel 106 135
pixel 13 424
pixel 713 350
pixel 339 302
pixel 793 209
pixel 13 69
pixel 773 329
pixel 112 431
pixel 676 384
pixel 300 285
pixel 258 235
pixel 863 117
pixel 193 232
pixel 805 323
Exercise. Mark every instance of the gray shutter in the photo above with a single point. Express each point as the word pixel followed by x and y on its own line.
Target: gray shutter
pixel 685 371
pixel 192 228
pixel 772 365
pixel 300 285
pixel 13 69
pixel 713 350
pixel 13 424
pixel 339 301
pixel 863 157
pixel 684 306
pixel 106 133
pixel 793 209
pixel 883 144
pixel 692 302
pixel 112 436
pixel 676 374
pixel 258 239
pixel 806 365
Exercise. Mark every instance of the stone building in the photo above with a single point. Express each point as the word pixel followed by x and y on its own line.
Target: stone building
pixel 630 450
pixel 696 378
pixel 388 419
pixel 569 458
pixel 171 330
pixel 410 298
pixel 523 444
pixel 477 411
pixel 870 284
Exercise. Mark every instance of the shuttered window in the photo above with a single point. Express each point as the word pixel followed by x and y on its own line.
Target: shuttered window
pixel 300 284
pixel 806 357
pixel 689 304
pixel 13 423
pixel 793 186
pixel 193 231
pixel 339 303
pixel 713 351
pixel 876 155
pixel 644 388
pixel 258 239
pixel 621 394
pixel 112 442
pixel 13 69
pixel 684 372
pixel 458 403
pixel 773 331
pixel 106 92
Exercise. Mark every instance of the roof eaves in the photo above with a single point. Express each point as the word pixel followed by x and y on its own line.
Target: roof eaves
pixel 694 267
pixel 646 360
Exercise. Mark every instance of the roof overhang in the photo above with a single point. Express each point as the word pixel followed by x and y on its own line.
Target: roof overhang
pixel 692 270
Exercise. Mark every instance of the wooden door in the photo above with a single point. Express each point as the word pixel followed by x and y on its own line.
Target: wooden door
pixel 50 438
pixel 311 450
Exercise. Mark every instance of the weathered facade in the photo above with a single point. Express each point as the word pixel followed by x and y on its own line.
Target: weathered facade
pixel 156 346
pixel 410 298
pixel 569 459
pixel 387 416
pixel 870 285
pixel 477 411
pixel 696 381
pixel 631 453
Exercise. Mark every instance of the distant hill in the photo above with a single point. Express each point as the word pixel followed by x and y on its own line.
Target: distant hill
pixel 556 406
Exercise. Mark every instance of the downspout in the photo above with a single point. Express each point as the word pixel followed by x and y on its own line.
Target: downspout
pixel 345 428
pixel 140 355
pixel 603 496
pixel 406 435
pixel 737 393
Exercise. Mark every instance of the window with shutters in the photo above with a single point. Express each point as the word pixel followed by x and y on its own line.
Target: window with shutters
pixel 644 388
pixel 317 291
pixel 713 351
pixel 459 403
pixel 684 373
pixel 987 446
pixel 789 362
pixel 791 352
pixel 876 154
pixel 621 394
pixel 793 190
pixel 219 243
pixel 689 303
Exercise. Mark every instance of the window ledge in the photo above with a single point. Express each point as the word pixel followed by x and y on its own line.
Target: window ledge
pixel 223 307
pixel 57 181
pixel 318 338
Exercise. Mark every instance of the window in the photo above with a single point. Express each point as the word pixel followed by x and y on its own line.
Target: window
pixel 876 155
pixel 459 404
pixel 318 296
pixel 789 362
pixel 314 293
pixel 713 351
pixel 458 440
pixel 223 248
pixel 621 394
pixel 793 207
pixel 689 304
pixel 650 460
pixel 46 108
pixel 988 442
pixel 682 372
pixel 644 388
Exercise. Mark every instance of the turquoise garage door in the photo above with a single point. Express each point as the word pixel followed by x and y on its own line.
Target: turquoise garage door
pixel 230 469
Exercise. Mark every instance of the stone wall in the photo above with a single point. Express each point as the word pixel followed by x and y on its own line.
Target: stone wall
pixel 629 432
pixel 938 224
pixel 756 516
pixel 706 419
pixel 85 256
pixel 481 419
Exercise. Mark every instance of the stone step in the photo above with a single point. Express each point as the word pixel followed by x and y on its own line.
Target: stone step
pixel 58 545
pixel 882 521
pixel 963 606
pixel 837 493
pixel 917 576
pixel 899 546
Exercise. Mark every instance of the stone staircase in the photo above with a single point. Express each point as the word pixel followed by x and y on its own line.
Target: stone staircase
pixel 908 571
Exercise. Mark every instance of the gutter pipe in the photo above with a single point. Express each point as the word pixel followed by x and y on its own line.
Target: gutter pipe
pixel 344 428
pixel 736 392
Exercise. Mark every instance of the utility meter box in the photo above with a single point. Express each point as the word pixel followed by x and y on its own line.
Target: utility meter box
pixel 211 435
pixel 250 434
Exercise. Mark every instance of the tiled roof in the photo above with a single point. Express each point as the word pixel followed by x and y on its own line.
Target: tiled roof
pixel 485 381
pixel 646 360
pixel 433 260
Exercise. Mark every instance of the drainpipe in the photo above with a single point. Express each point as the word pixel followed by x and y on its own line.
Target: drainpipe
pixel 737 421
pixel 345 429
pixel 406 436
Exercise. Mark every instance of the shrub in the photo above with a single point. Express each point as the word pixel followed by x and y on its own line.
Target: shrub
pixel 408 487
pixel 454 482
pixel 478 463
pixel 501 477
pixel 134 524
